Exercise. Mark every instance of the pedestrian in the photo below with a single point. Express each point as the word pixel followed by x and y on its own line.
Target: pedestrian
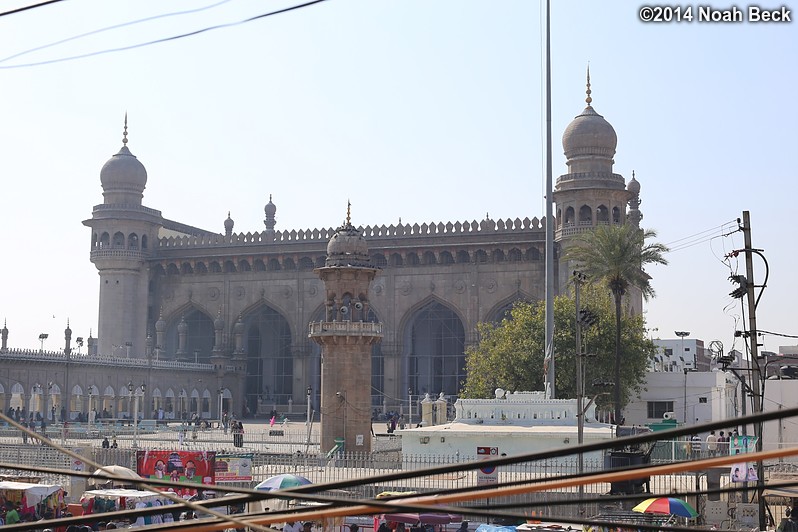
pixel 712 443
pixel 695 444
pixel 723 443
pixel 24 433
pixel 106 444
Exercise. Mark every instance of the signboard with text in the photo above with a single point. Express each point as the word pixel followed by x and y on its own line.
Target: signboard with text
pixel 233 467
pixel 742 471
pixel 487 474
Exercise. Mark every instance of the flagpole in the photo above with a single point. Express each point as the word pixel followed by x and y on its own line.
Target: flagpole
pixel 549 345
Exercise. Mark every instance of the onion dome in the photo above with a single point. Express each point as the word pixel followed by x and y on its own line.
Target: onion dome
pixel 182 327
pixel 238 328
pixel 269 210
pixel 633 186
pixel 218 323
pixel 348 247
pixel 228 225
pixel 123 177
pixel 589 135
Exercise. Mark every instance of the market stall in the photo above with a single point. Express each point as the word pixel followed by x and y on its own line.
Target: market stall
pixel 116 499
pixel 32 498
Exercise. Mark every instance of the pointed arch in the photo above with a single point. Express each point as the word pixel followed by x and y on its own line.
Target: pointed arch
pixel 502 309
pixel 268 341
pixel 433 337
pixel 602 214
pixel 200 335
pixel 570 216
pixel 585 215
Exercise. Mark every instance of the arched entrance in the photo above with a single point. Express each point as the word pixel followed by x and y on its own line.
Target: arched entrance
pixel 270 364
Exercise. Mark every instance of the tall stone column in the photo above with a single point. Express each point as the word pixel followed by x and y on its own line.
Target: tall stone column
pixel 346 342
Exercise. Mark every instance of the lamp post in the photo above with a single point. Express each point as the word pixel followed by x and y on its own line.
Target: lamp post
pixel 684 416
pixel 37 390
pixel 79 342
pixel 221 405
pixel 410 406
pixel 49 400
pixel 309 391
pixel 42 338
pixel 135 398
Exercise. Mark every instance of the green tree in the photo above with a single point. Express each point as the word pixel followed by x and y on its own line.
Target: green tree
pixel 510 354
pixel 615 256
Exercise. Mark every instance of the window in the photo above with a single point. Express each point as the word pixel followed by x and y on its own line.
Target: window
pixel 668 352
pixel 657 409
pixel 702 400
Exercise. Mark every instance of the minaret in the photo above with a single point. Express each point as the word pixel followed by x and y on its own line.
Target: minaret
pixel 591 194
pixel 269 211
pixel 123 234
pixel 346 339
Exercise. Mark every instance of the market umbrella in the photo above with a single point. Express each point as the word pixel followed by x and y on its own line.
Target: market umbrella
pixel 422 518
pixel 667 506
pixel 117 471
pixel 281 482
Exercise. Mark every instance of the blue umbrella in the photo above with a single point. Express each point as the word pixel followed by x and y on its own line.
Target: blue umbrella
pixel 281 482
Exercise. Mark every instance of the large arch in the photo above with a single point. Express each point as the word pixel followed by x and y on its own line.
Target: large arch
pixel 199 338
pixel 434 349
pixel 270 364
pixel 502 309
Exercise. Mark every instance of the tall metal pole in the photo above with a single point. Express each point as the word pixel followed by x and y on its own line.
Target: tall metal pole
pixel 550 388
pixel 755 376
pixel 580 414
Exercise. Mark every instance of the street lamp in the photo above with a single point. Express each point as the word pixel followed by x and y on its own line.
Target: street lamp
pixel 410 406
pixel 37 390
pixel 42 338
pixel 79 342
pixel 308 392
pixel 139 393
pixel 221 405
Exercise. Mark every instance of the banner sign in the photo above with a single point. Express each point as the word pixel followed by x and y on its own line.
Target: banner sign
pixel 740 444
pixel 487 474
pixel 233 467
pixel 179 466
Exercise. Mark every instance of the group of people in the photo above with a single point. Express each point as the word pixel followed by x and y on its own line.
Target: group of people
pixel 715 443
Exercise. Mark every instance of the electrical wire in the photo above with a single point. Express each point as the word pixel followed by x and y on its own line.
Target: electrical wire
pixel 26 8
pixel 163 40
pixel 777 334
pixel 108 28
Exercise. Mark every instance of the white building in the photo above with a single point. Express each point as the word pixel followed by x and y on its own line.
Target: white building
pixel 693 397
pixel 512 423
pixel 674 355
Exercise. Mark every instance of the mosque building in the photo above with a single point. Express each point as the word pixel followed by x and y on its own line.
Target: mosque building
pixel 211 320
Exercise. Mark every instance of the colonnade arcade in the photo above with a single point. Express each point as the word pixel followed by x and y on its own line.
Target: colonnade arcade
pixel 429 354
pixel 47 401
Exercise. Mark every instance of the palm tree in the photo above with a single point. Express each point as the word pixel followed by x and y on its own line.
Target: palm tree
pixel 615 255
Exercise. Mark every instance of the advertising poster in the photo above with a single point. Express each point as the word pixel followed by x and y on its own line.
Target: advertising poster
pixel 233 468
pixel 179 466
pixel 743 471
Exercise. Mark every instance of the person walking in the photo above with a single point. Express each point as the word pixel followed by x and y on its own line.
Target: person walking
pixel 712 443
pixel 695 445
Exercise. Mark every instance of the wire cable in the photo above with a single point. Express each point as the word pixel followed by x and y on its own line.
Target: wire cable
pixel 26 8
pixel 108 28
pixel 163 40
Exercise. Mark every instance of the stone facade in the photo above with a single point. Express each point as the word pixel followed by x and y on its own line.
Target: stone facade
pixel 233 309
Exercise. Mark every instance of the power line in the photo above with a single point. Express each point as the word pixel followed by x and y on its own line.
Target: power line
pixel 115 26
pixel 26 8
pixel 165 39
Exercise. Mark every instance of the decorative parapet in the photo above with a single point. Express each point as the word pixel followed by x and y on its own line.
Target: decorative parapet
pixel 98 360
pixel 520 408
pixel 132 254
pixel 126 207
pixel 344 328
pixel 370 232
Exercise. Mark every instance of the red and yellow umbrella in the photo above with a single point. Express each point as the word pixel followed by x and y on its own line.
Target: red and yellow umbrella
pixel 666 506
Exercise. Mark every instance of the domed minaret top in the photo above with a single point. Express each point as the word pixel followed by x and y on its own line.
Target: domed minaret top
pixel 228 225
pixel 123 177
pixel 589 140
pixel 348 247
pixel 269 210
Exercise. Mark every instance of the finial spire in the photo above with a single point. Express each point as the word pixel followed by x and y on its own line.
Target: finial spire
pixel 589 100
pixel 124 134
pixel 270 197
pixel 348 213
pixel 633 174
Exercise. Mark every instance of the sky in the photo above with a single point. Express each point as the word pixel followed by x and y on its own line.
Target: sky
pixel 419 110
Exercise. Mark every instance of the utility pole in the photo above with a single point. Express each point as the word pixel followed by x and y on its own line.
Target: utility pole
pixel 580 414
pixel 753 348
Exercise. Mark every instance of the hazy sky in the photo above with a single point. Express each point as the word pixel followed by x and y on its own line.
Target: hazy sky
pixel 428 111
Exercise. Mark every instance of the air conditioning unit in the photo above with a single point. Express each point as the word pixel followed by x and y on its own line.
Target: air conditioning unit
pixel 669 416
